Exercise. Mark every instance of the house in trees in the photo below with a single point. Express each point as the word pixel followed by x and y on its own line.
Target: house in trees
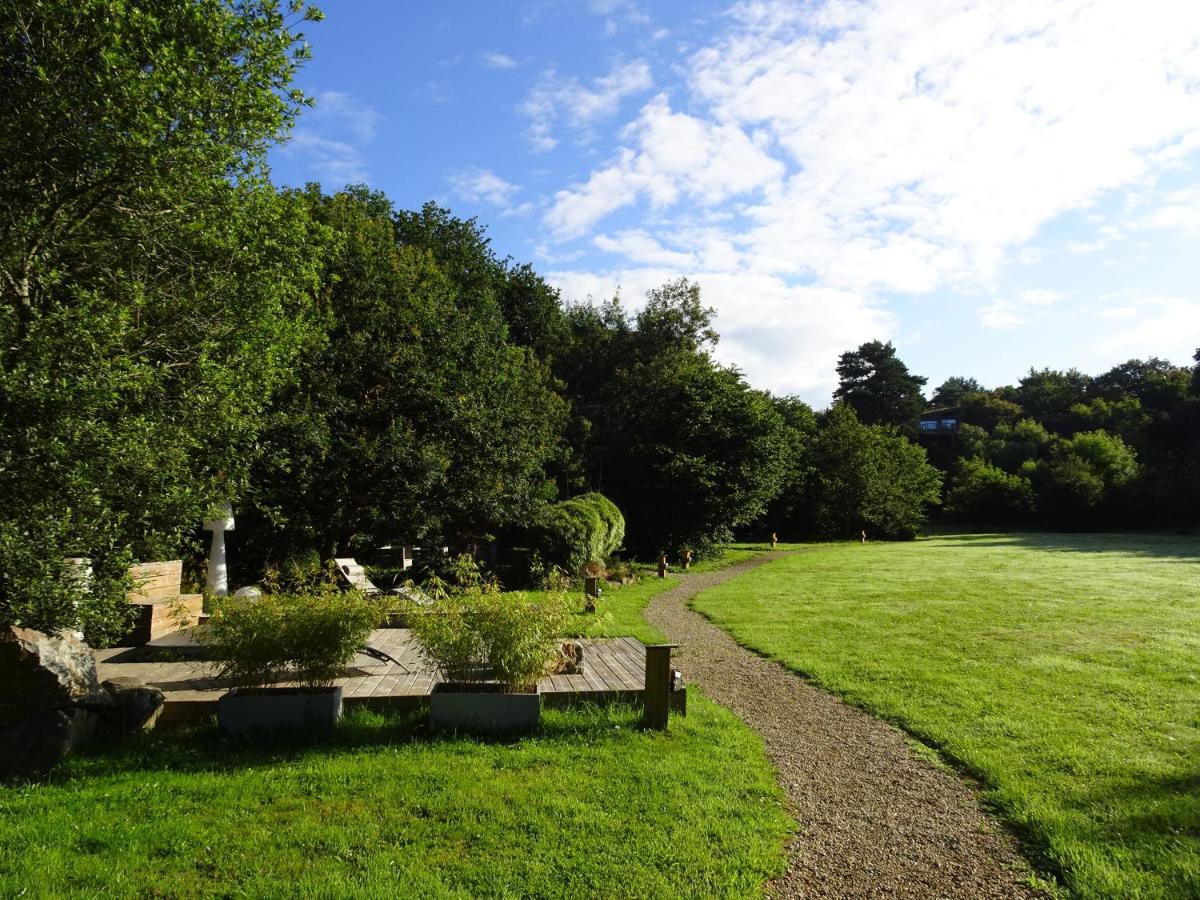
pixel 941 422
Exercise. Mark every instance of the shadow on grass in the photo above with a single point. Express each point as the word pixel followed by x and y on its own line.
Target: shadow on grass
pixel 205 748
pixel 1163 546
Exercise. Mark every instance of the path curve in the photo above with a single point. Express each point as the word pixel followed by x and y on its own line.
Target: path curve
pixel 875 819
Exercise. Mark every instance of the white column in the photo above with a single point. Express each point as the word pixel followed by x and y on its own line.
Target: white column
pixel 218 568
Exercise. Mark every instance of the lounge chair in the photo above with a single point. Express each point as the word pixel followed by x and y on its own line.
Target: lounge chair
pixel 355 576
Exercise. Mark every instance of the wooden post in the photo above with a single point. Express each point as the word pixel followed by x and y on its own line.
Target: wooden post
pixel 662 566
pixel 658 685
pixel 591 592
pixel 687 560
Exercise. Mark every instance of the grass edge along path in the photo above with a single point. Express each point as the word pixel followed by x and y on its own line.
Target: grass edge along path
pixel 1061 670
pixel 876 818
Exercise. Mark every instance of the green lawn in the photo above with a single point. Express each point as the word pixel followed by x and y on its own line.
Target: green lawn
pixel 1062 670
pixel 731 554
pixel 591 806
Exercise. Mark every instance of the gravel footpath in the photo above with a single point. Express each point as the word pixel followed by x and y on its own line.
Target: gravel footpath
pixel 875 819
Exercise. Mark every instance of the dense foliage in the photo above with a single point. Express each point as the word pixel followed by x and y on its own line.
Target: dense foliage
pixel 1067 450
pixel 154 287
pixel 417 418
pixel 848 477
pixel 681 444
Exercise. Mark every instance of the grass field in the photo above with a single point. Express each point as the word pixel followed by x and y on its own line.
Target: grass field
pixel 591 806
pixel 620 609
pixel 1062 670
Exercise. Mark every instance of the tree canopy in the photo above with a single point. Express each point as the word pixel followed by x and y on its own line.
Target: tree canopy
pixel 879 387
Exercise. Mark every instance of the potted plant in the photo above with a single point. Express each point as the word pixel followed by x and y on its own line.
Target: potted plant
pixel 490 649
pixel 304 639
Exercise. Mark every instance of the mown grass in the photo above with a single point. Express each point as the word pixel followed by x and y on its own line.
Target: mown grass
pixel 731 554
pixel 1062 670
pixel 590 806
pixel 619 611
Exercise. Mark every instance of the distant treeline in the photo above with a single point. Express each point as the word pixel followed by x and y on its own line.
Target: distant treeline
pixel 1060 449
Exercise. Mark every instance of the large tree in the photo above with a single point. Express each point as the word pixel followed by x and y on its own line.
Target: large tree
pixel 951 391
pixel 154 288
pixel 867 477
pixel 417 419
pixel 879 387
pixel 683 445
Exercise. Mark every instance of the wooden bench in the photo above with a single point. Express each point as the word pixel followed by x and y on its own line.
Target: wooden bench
pixel 162 609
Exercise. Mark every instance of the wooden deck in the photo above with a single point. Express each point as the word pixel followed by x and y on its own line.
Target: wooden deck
pixel 613 669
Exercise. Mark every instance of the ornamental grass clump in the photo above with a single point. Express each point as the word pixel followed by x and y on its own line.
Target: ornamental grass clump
pixel 308 637
pixel 476 635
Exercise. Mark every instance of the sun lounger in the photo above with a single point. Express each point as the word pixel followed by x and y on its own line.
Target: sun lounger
pixel 355 576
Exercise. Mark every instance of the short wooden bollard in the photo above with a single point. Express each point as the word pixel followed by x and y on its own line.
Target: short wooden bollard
pixel 591 592
pixel 662 566
pixel 658 685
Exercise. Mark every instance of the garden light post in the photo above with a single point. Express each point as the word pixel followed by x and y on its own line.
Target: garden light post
pixel 218 570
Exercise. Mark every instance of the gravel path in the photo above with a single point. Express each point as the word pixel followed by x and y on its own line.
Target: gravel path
pixel 875 819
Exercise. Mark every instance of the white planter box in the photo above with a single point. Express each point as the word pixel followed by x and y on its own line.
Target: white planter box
pixel 486 709
pixel 276 709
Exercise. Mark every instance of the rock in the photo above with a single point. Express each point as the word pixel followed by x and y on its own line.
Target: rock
pixel 135 707
pixel 33 746
pixel 570 658
pixel 43 672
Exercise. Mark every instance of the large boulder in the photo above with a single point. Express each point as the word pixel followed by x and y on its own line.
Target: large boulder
pixel 33 746
pixel 50 698
pixel 43 672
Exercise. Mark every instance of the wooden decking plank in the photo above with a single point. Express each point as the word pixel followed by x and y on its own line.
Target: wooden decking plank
pixel 612 680
pixel 631 677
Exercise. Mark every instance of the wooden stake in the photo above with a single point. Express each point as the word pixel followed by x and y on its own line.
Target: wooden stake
pixel 658 685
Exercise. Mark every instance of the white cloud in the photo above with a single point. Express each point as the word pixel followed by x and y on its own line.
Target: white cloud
pixel 330 138
pixel 1163 326
pixel 674 155
pixel 620 14
pixel 482 185
pixel 1177 211
pixel 963 128
pixel 495 60
pixel 866 147
pixel 782 336
pixel 640 247
pixel 556 98
pixel 1010 312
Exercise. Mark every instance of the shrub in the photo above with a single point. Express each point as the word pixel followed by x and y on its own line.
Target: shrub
pixel 613 521
pixel 575 532
pixel 981 492
pixel 478 634
pixel 39 589
pixel 305 637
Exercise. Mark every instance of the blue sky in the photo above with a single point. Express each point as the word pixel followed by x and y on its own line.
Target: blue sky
pixel 991 184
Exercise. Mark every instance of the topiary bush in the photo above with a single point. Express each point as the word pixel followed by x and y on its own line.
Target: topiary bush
pixel 614 523
pixel 574 532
